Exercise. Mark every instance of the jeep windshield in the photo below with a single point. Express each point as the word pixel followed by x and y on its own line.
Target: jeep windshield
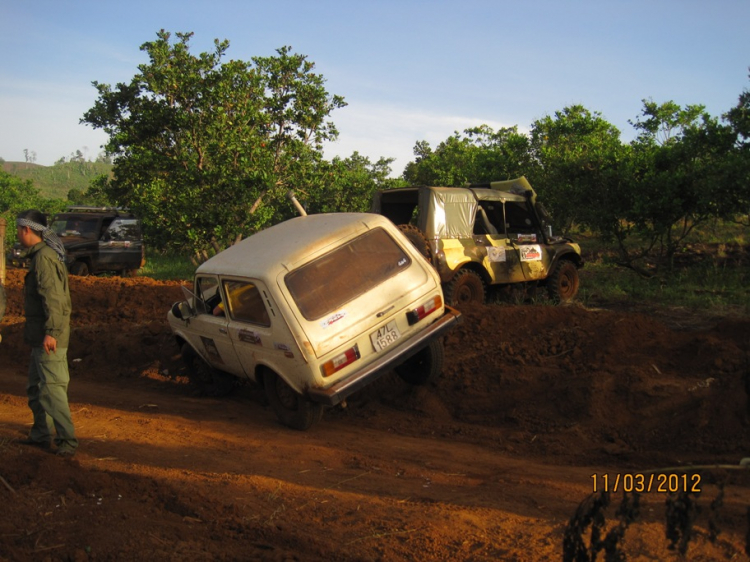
pixel 83 227
pixel 330 281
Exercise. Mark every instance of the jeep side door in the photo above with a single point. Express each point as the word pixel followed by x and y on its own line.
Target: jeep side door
pixel 502 260
pixel 527 239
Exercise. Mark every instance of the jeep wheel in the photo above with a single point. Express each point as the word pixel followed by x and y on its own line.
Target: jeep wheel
pixel 292 409
pixel 562 284
pixel 425 366
pixel 466 287
pixel 417 239
pixel 209 381
pixel 80 268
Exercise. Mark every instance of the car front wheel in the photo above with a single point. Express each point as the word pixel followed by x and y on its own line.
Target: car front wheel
pixel 80 268
pixel 292 409
pixel 208 380
pixel 563 282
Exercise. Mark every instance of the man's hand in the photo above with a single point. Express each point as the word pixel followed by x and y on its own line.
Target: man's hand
pixel 49 344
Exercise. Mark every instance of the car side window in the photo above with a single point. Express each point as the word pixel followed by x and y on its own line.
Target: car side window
pixel 246 303
pixel 123 229
pixel 207 295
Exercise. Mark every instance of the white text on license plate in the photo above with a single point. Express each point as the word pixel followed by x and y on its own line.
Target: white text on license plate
pixel 385 336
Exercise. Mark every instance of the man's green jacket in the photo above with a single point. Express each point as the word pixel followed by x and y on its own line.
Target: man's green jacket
pixel 46 297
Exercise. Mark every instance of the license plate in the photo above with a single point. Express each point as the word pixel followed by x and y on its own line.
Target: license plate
pixel 385 336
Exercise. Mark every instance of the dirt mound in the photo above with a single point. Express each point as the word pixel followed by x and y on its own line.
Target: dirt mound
pixel 481 465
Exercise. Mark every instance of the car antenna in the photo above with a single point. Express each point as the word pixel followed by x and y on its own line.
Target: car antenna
pixel 297 205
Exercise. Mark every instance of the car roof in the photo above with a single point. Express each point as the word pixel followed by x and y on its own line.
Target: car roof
pixel 282 247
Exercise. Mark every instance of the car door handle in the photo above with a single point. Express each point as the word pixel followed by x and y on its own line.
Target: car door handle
pixel 384 312
pixel 222 330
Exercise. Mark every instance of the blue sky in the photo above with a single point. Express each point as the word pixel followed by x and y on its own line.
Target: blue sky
pixel 409 70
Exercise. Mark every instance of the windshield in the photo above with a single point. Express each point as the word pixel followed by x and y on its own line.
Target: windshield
pixel 78 226
pixel 325 284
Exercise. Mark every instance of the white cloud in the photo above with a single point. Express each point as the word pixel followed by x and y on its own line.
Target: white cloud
pixel 380 130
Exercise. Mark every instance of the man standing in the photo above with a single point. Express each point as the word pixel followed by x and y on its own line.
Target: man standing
pixel 47 308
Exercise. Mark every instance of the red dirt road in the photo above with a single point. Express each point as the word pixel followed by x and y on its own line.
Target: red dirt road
pixel 489 463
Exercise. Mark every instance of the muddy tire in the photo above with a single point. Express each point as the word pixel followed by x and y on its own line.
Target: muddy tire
pixel 208 380
pixel 80 268
pixel 563 282
pixel 466 288
pixel 425 366
pixel 417 239
pixel 292 409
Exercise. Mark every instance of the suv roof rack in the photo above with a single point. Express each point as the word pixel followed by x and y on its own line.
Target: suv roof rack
pixel 89 209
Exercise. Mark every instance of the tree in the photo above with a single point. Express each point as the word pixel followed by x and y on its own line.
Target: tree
pixel 685 172
pixel 347 184
pixel 580 170
pixel 739 120
pixel 204 148
pixel 481 154
pixel 18 195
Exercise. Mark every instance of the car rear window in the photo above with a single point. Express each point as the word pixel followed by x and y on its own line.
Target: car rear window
pixel 326 283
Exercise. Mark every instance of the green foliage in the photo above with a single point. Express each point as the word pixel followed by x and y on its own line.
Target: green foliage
pixel 55 182
pixel 582 174
pixel 18 195
pixel 205 149
pixel 167 266
pixel 348 184
pixel 480 155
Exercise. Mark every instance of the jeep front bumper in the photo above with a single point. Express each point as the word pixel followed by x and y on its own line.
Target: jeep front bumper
pixel 337 393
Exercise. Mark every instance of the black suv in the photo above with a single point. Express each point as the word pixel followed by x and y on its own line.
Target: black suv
pixel 96 239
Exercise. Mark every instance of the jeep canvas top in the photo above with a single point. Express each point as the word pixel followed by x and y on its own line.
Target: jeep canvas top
pixel 321 304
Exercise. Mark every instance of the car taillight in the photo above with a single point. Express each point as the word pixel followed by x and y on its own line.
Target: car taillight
pixel 414 316
pixel 340 361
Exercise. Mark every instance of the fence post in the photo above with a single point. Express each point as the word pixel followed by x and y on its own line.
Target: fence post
pixel 2 250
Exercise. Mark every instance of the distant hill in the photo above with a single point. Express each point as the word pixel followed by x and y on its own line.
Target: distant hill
pixel 54 182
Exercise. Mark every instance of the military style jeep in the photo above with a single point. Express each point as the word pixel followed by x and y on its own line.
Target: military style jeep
pixel 313 309
pixel 96 239
pixel 494 234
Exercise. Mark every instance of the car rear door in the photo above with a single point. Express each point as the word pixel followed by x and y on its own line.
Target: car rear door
pixel 258 332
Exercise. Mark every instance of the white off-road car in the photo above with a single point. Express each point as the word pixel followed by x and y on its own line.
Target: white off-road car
pixel 313 309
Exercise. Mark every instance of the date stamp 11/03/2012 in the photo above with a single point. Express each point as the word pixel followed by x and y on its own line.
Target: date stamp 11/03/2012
pixel 646 482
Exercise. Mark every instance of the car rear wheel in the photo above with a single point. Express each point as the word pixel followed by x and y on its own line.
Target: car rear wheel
pixel 465 288
pixel 425 366
pixel 563 282
pixel 292 409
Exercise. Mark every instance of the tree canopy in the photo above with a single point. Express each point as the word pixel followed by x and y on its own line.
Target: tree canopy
pixel 205 148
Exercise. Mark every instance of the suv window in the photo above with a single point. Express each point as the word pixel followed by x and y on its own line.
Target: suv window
pixel 76 226
pixel 518 218
pixel 124 229
pixel 326 283
pixel 246 303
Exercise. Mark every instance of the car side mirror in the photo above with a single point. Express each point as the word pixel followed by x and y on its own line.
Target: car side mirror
pixel 182 310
